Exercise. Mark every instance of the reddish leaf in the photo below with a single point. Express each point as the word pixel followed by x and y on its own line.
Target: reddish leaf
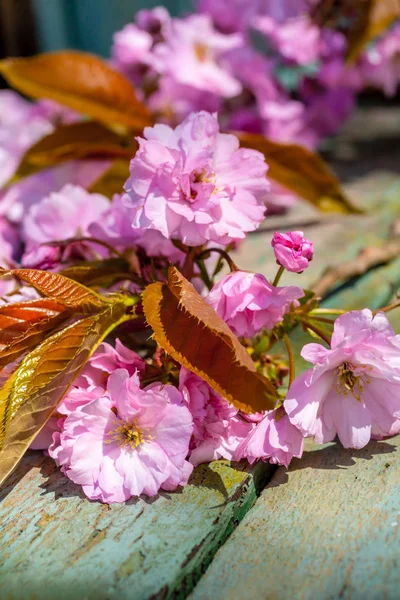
pixel 195 336
pixel 81 81
pixel 302 172
pixel 67 292
pixel 34 390
pixel 17 318
pixel 86 139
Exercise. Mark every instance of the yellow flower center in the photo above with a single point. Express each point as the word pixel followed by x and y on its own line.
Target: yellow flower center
pixel 349 383
pixel 126 434
pixel 201 52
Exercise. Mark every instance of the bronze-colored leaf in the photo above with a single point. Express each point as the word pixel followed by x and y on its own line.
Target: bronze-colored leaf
pixel 32 393
pixel 86 139
pixel 33 335
pixel 195 336
pixel 360 20
pixel 301 171
pixel 103 273
pixel 17 318
pixel 67 292
pixel 376 16
pixel 80 81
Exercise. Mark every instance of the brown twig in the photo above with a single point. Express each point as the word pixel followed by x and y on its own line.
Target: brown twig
pixel 366 260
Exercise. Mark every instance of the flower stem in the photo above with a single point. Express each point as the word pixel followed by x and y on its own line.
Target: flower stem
pixel 278 276
pixel 204 274
pixel 327 311
pixel 387 308
pixel 233 267
pixel 324 320
pixel 316 330
pixel 292 368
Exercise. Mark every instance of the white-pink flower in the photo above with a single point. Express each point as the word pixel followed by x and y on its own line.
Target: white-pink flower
pixel 192 52
pixel 61 215
pixel 128 442
pixel 194 184
pixel 274 439
pixel 248 303
pixel 218 427
pixel 353 390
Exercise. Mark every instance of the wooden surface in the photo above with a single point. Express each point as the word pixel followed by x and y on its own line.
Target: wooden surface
pixel 324 530
pixel 55 544
pixel 328 529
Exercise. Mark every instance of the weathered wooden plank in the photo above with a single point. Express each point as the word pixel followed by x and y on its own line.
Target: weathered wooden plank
pixel 327 529
pixel 54 543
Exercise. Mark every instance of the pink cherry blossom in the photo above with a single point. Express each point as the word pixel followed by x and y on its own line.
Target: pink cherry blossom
pixel 218 427
pixel 115 227
pixel 19 197
pixel 192 53
pixel 72 209
pixel 292 250
pixel 353 390
pixel 274 439
pixel 128 442
pixel 248 302
pixel 90 384
pixel 105 361
pixel 21 125
pixel 297 40
pixel 194 184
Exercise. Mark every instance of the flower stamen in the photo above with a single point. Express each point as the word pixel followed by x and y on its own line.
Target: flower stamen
pixel 126 434
pixel 348 382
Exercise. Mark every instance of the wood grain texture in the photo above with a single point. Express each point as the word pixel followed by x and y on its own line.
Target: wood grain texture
pixel 54 543
pixel 328 529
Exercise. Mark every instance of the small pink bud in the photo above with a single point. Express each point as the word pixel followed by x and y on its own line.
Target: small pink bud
pixel 292 250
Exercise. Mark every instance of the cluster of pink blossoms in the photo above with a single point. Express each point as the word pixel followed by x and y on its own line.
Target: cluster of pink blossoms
pixel 119 431
pixel 135 423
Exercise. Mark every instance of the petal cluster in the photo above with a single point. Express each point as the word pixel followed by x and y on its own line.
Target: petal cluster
pixel 248 302
pixel 353 389
pixel 292 250
pixel 195 184
pixel 129 441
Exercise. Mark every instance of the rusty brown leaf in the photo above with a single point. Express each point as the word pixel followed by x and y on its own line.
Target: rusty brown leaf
pixel 301 171
pixel 81 81
pixel 195 336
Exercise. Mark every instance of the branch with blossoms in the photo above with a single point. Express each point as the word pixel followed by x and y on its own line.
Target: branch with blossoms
pixel 130 360
pixel 124 352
